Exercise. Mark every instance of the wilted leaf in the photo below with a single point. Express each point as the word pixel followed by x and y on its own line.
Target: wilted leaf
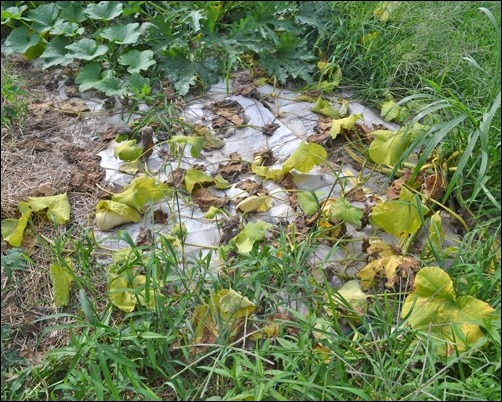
pixel 127 150
pixel 129 167
pixel 58 207
pixel 110 214
pixel 347 123
pixel 305 158
pixel 61 282
pixel 352 295
pixel 324 107
pixel 385 9
pixel 139 284
pixel 205 199
pixel 436 234
pixel 391 111
pixel 392 268
pixel 140 191
pixel 399 217
pixel 13 229
pixel 258 203
pixel 434 308
pixel 212 212
pixel 252 233
pixel 388 146
pixel 210 141
pixel 231 305
pixel 195 177
pixel 268 173
pixel 121 294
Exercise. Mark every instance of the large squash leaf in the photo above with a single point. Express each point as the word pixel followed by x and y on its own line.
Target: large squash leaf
pixel 58 207
pixel 140 191
pixel 452 322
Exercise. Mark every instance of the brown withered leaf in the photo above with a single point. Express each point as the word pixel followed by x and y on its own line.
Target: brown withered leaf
pixel 147 140
pixel 434 186
pixel 269 128
pixel 249 91
pixel 176 177
pixel 228 111
pixel 321 131
pixel 144 237
pixel 74 106
pixel 356 194
pixel 229 230
pixel 267 158
pixel 395 188
pixel 205 199
pixel 160 217
pixel 252 187
pixel 232 171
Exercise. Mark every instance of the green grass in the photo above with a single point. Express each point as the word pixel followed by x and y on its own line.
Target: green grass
pixel 442 59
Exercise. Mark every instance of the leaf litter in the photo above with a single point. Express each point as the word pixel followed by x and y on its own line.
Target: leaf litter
pixel 247 136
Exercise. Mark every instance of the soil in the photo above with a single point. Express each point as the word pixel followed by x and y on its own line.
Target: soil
pixel 50 151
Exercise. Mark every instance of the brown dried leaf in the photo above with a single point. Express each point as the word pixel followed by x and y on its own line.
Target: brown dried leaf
pixel 147 139
pixel 144 237
pixel 395 188
pixel 252 187
pixel 206 199
pixel 176 177
pixel 229 112
pixel 269 128
pixel 74 106
pixel 434 186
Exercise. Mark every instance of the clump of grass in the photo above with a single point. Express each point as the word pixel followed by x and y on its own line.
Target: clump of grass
pixel 14 98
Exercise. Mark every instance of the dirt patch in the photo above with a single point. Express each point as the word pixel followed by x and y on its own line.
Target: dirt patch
pixel 49 152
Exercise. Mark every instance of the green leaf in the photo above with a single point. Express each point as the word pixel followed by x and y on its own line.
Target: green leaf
pixel 258 203
pixel 61 282
pixel 43 17
pixel 104 10
pixel 196 143
pixel 249 235
pixel 305 157
pixel 12 13
pixel 88 77
pixel 140 191
pixel 324 107
pixel 65 28
pixel 86 49
pixel 399 217
pixel 120 294
pixel 137 61
pixel 348 123
pixel 388 146
pixel 139 85
pixel 450 321
pixel 13 229
pixel 194 177
pixel 58 207
pixel 110 214
pixel 343 210
pixel 127 150
pixel 56 54
pixel 111 86
pixel 20 40
pixel 122 34
pixel 72 11
pixel 220 183
pixel 308 201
